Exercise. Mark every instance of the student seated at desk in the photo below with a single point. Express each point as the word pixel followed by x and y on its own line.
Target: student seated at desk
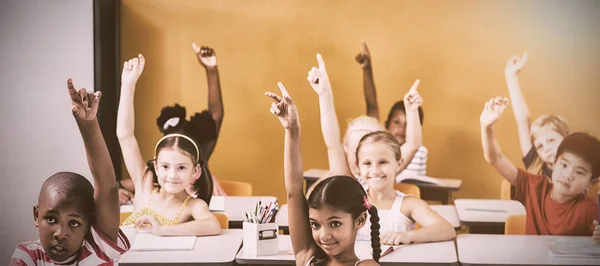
pixel 559 206
pixel 379 160
pixel 78 223
pixel 174 116
pixel 162 205
pixel 323 227
pixel 396 122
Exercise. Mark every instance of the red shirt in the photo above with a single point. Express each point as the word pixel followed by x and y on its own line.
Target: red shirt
pixel 548 217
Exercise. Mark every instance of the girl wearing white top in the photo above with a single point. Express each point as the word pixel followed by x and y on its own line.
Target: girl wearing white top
pixel 379 159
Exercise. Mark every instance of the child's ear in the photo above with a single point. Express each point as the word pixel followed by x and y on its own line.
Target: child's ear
pixel 197 172
pixel 361 220
pixel 399 166
pixel 35 216
pixel 155 166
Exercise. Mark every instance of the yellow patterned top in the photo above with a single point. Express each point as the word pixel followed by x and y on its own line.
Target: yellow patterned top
pixel 132 219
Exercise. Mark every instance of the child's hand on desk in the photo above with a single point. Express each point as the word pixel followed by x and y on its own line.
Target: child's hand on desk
pixel 132 69
pixel 83 104
pixel 492 111
pixel 206 56
pixel 514 64
pixel 364 57
pixel 412 99
pixel 318 78
pixel 148 224
pixel 596 236
pixel 284 108
pixel 396 238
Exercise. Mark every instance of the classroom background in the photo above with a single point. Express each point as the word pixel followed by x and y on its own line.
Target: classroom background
pixel 458 49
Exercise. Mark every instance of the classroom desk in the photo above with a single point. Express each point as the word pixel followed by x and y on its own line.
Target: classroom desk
pixel 208 250
pixel 476 250
pixel 235 206
pixel 441 253
pixel 434 192
pixel 486 216
pixel 448 212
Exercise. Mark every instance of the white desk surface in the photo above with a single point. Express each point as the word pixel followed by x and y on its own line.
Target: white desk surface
pixel 474 249
pixel 213 250
pixel 487 211
pixel 447 183
pixel 441 253
pixel 235 206
pixel 448 212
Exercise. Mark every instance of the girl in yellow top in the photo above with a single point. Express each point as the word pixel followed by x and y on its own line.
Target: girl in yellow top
pixel 162 205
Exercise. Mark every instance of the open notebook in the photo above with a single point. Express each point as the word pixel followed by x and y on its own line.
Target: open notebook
pixel 386 249
pixel 411 177
pixel 574 246
pixel 149 242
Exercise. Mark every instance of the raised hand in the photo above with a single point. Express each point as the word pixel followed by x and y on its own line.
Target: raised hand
pixel 206 56
pixel 412 99
pixel 83 104
pixel 492 111
pixel 515 63
pixel 284 108
pixel 132 69
pixel 317 77
pixel 596 234
pixel 396 238
pixel 364 57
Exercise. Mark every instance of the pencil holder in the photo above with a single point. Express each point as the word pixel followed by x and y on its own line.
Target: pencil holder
pixel 260 239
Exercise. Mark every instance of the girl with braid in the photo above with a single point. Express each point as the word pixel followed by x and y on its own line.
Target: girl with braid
pixel 323 228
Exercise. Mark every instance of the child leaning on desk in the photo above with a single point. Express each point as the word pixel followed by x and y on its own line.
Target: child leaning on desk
pixel 560 206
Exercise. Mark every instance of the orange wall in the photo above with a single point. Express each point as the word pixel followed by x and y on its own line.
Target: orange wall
pixel 457 48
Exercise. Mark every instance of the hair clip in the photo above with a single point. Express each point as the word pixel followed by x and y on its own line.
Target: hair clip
pixel 172 122
pixel 366 203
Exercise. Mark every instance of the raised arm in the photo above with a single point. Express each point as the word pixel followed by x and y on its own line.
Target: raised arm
pixel 208 59
pixel 364 59
pixel 85 107
pixel 491 149
pixel 136 166
pixel 412 101
pixel 285 110
pixel 203 224
pixel 319 81
pixel 520 109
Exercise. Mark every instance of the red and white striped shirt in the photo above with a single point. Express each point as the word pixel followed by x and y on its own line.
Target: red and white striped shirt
pixel 96 249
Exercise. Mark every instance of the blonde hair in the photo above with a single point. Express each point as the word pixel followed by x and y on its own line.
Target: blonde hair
pixel 383 137
pixel 557 124
pixel 362 123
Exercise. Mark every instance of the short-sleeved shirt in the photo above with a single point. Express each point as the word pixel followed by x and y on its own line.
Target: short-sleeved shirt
pixel 530 157
pixel 548 217
pixel 96 249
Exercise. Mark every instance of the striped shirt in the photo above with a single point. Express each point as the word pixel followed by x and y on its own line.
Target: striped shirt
pixel 418 164
pixel 96 249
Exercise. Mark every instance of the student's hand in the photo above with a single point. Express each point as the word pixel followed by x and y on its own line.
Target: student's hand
pixel 514 64
pixel 318 78
pixel 284 108
pixel 206 56
pixel 596 236
pixel 125 197
pixel 217 189
pixel 396 238
pixel 148 224
pixel 83 104
pixel 364 57
pixel 492 111
pixel 412 99
pixel 132 69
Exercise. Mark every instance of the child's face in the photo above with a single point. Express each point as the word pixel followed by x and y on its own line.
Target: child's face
pixel 378 165
pixel 334 231
pixel 175 170
pixel 546 143
pixel 62 225
pixel 397 126
pixel 571 175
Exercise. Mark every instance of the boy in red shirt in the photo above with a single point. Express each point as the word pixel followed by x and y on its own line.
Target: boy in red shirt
pixel 560 206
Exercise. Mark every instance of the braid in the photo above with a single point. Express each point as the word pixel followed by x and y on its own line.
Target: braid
pixel 375 242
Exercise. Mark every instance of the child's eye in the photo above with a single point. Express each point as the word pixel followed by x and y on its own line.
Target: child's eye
pixel 51 220
pixel 181 167
pixel 366 163
pixel 74 223
pixel 335 224
pixel 383 162
pixel 550 140
pixel 165 167
pixel 315 225
pixel 579 172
